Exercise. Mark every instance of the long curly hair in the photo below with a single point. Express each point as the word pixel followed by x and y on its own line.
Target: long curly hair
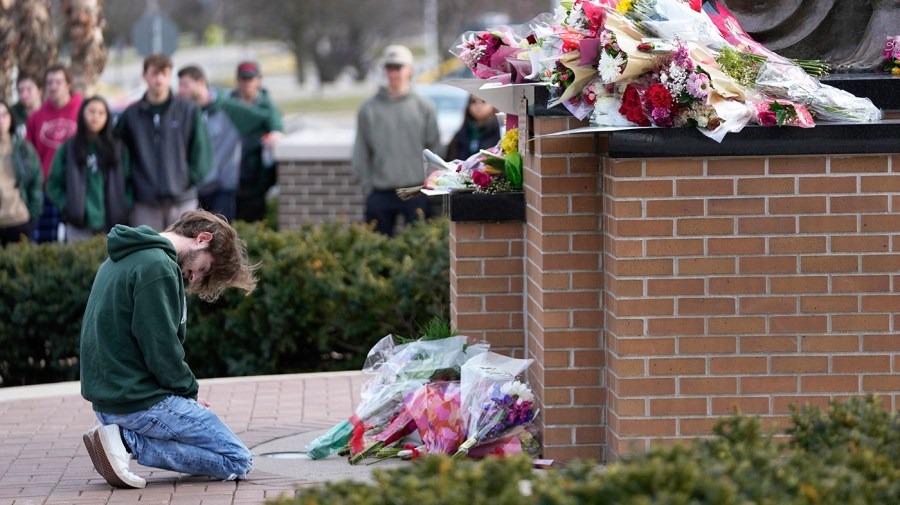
pixel 230 266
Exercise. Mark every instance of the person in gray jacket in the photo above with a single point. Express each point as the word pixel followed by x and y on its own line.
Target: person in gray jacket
pixel 228 121
pixel 393 128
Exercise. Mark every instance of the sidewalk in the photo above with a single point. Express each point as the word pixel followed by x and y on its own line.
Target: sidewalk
pixel 43 461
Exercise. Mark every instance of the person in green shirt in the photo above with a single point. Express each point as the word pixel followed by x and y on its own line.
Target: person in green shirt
pixel 259 172
pixel 90 178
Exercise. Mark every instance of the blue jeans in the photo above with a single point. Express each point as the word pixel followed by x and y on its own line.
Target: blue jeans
pixel 179 434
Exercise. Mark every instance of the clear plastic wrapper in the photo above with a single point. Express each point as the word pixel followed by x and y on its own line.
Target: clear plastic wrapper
pixel 494 402
pixel 783 79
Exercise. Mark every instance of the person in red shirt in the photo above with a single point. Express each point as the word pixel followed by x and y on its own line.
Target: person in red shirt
pixel 47 129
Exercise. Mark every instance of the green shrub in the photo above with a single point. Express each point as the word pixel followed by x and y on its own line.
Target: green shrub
pixel 326 294
pixel 849 455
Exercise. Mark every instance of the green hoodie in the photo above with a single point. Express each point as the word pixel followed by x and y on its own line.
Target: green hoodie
pixel 132 336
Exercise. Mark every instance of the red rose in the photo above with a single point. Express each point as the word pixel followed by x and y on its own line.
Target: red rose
pixel 645 46
pixel 481 179
pixel 659 97
pixel 632 108
pixel 767 118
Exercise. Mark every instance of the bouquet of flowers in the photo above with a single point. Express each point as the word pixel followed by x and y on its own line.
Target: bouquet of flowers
pixel 891 53
pixel 397 371
pixel 487 171
pixel 780 113
pixel 435 409
pixel 610 55
pixel 400 426
pixel 493 401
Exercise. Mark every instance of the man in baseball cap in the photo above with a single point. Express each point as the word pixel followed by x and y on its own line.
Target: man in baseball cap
pixel 393 128
pixel 397 55
pixel 258 172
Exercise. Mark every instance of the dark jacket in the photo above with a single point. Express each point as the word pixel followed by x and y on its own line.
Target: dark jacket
pixel 132 334
pixel 471 138
pixel 256 175
pixel 29 176
pixel 169 148
pixel 95 197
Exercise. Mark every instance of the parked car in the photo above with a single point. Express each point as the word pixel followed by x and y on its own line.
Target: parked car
pixel 450 103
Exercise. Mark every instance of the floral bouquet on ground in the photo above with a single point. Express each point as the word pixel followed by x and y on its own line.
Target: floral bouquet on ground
pixel 781 113
pixel 402 425
pixel 397 370
pixel 494 402
pixel 435 407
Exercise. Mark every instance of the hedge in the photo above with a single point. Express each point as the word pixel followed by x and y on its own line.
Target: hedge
pixel 326 294
pixel 848 456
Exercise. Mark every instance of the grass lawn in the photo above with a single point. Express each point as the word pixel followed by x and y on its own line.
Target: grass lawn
pixel 349 103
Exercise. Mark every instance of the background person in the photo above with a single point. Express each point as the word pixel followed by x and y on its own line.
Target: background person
pixel 90 180
pixel 132 351
pixel 47 129
pixel 169 147
pixel 21 198
pixel 228 121
pixel 258 171
pixel 393 128
pixel 480 130
pixel 29 90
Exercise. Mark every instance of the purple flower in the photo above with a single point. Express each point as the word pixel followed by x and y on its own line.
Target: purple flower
pixel 698 85
pixel 662 117
pixel 682 58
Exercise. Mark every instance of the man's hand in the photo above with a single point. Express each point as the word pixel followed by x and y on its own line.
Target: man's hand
pixel 203 403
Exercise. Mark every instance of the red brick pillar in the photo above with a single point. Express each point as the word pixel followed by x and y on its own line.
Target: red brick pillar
pixel 486 283
pixel 564 285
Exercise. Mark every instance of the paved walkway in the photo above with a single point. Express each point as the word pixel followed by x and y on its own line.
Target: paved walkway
pixel 43 461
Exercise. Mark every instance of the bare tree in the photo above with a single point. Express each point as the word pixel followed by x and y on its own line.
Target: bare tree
pixel 84 24
pixel 36 44
pixel 7 49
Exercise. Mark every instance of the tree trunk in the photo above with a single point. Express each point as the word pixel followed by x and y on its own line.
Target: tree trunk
pixel 84 23
pixel 36 47
pixel 7 50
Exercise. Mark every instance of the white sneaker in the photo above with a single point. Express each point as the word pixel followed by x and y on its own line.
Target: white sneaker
pixel 114 459
pixel 88 439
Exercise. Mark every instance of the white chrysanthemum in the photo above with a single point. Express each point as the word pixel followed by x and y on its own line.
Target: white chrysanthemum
pixel 518 390
pixel 610 67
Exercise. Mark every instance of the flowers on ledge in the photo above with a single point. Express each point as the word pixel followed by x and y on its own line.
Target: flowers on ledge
pixel 661 63
pixel 891 53
pixel 493 170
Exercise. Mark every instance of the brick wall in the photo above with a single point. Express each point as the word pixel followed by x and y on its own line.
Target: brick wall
pixel 486 280
pixel 756 283
pixel 661 293
pixel 316 190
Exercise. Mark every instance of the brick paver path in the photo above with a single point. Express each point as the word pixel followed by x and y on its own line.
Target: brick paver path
pixel 43 461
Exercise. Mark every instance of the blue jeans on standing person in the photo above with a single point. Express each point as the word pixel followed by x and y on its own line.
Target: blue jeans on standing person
pixel 384 206
pixel 181 435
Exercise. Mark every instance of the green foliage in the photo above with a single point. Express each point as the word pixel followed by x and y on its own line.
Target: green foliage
pixel 849 455
pixel 43 292
pixel 326 294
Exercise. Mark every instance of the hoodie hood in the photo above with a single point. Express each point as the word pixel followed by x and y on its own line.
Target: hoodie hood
pixel 124 240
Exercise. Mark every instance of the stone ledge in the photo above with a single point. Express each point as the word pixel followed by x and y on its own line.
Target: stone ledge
pixel 825 138
pixel 480 207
